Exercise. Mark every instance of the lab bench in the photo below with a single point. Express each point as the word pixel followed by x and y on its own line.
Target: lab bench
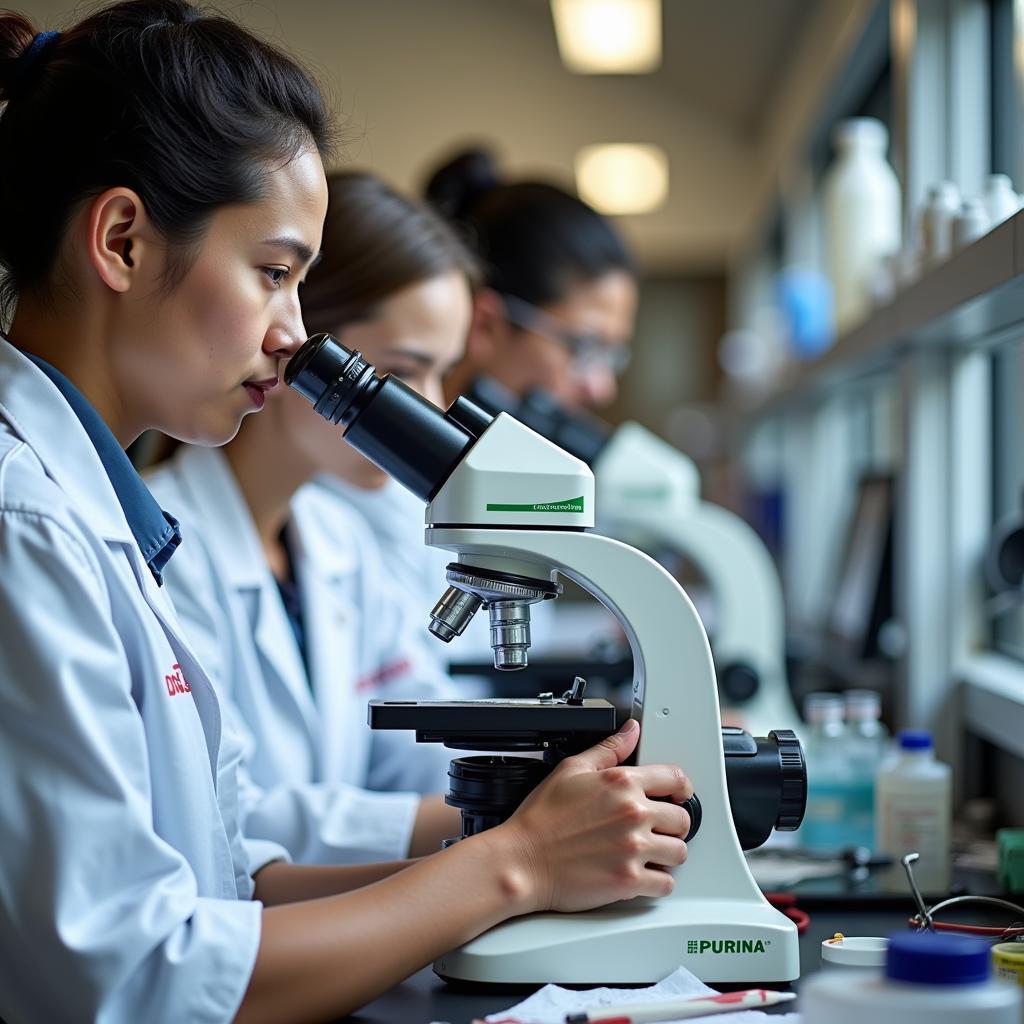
pixel 424 997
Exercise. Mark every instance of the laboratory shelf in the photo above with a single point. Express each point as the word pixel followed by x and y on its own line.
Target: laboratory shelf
pixel 975 298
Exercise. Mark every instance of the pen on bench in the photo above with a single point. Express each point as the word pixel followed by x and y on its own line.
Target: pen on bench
pixel 679 1009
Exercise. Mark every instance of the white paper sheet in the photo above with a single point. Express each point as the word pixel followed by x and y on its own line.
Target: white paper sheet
pixel 550 1004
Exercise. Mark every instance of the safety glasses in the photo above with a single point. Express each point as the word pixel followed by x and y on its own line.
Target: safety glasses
pixel 589 351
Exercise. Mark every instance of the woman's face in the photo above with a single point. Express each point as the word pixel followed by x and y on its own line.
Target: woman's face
pixel 529 358
pixel 417 335
pixel 210 350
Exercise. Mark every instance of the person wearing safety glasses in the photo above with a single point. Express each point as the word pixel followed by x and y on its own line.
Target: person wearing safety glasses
pixel 560 294
pixel 555 311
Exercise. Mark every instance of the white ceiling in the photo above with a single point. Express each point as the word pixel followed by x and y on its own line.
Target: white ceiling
pixel 418 77
pixel 724 56
pixel 727 56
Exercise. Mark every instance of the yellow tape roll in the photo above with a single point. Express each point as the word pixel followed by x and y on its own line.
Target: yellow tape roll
pixel 1008 961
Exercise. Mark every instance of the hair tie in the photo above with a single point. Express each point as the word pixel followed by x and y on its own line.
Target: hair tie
pixel 39 45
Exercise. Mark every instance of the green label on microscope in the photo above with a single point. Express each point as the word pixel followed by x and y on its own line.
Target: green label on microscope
pixel 567 505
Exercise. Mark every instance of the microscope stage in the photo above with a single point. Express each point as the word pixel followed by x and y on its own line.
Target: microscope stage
pixel 495 724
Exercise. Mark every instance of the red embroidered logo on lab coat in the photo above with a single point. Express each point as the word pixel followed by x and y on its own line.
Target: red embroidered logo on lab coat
pixel 176 682
pixel 383 675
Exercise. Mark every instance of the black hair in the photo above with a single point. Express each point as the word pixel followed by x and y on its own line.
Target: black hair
pixel 535 240
pixel 376 242
pixel 189 110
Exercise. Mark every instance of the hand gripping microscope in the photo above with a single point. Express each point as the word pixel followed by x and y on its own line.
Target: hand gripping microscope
pixel 648 494
pixel 516 511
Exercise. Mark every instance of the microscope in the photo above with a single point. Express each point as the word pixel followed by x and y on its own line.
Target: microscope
pixel 516 511
pixel 648 494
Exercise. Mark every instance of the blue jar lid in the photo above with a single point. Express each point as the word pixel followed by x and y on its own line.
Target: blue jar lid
pixel 915 739
pixel 926 958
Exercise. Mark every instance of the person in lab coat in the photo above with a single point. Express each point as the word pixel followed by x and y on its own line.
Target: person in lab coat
pixel 161 196
pixel 395 282
pixel 559 299
pixel 555 311
pixel 282 589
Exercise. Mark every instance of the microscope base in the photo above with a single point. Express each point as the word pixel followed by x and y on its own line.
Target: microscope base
pixel 724 941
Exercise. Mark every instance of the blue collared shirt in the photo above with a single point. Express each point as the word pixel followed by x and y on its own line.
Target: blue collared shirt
pixel 155 531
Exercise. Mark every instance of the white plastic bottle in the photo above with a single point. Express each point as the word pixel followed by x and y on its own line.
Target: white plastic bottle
pixel 928 979
pixel 862 214
pixel 1000 198
pixel 971 223
pixel 913 807
pixel 940 210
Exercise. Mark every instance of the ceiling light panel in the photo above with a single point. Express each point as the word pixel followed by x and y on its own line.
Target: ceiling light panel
pixel 622 178
pixel 601 37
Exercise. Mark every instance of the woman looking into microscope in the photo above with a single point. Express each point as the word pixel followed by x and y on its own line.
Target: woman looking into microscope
pixel 282 589
pixel 161 196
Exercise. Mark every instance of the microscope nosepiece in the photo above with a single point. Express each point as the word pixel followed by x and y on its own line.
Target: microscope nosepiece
pixel 507 598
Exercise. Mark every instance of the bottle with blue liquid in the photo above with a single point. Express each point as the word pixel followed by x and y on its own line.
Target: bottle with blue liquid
pixel 845 745
pixel 869 749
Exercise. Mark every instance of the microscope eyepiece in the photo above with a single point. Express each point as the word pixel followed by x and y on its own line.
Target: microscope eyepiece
pixel 334 379
pixel 383 418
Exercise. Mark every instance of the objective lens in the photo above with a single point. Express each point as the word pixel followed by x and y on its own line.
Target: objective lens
pixel 510 634
pixel 452 614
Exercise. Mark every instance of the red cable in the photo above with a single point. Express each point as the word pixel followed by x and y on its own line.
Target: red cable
pixel 970 929
pixel 786 902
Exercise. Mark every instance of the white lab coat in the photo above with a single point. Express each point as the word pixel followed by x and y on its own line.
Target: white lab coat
pixel 395 516
pixel 321 783
pixel 124 881
pixel 396 519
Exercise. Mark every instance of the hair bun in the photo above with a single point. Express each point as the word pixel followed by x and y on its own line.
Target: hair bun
pixel 17 34
pixel 455 187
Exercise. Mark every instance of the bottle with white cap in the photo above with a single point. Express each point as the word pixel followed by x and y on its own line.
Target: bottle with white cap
pixel 928 979
pixel 863 220
pixel 1000 198
pixel 913 808
pixel 971 223
pixel 869 738
pixel 941 207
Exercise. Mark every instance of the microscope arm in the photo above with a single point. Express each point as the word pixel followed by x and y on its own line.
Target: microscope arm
pixel 674 693
pixel 716 908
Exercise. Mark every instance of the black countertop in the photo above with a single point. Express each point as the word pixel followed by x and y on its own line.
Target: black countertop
pixel 424 998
